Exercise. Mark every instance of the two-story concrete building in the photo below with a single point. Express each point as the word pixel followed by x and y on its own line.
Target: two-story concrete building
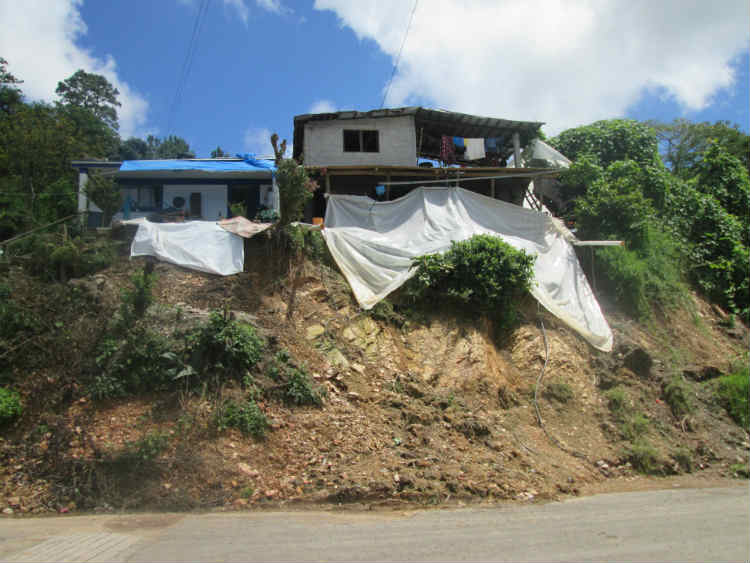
pixel 385 153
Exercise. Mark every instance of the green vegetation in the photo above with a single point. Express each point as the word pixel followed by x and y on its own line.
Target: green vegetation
pixel 689 223
pixel 677 396
pixel 480 274
pixel 296 385
pixel 223 347
pixel 644 457
pixel 740 470
pixel 10 405
pixel 732 391
pixel 295 189
pixel 135 301
pixel 246 417
pixel 560 392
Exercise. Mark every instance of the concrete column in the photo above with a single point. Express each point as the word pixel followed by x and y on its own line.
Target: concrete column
pixel 516 150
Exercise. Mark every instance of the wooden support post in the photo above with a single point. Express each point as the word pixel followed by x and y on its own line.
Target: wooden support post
pixel 328 183
pixel 388 187
pixel 516 150
pixel 492 188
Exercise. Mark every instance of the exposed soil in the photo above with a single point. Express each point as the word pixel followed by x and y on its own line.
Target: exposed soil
pixel 427 409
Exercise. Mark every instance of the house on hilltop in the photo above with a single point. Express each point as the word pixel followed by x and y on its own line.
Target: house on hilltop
pixel 194 188
pixel 387 152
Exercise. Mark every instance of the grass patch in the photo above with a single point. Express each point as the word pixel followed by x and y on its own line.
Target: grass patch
pixel 741 470
pixel 10 405
pixel 732 392
pixel 560 392
pixel 634 427
pixel 644 457
pixel 677 396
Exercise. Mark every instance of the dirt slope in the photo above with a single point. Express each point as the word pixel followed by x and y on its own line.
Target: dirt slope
pixel 427 409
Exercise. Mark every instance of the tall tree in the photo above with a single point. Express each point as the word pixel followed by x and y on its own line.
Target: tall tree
pixel 172 147
pixel 218 152
pixel 134 149
pixel 10 93
pixel 682 143
pixel 92 92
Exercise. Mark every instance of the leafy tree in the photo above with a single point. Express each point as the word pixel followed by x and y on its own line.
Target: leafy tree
pixel 295 189
pixel 722 175
pixel 10 94
pixel 169 147
pixel 134 149
pixel 683 143
pixel 37 144
pixel 218 152
pixel 608 141
pixel 92 92
pixel 105 193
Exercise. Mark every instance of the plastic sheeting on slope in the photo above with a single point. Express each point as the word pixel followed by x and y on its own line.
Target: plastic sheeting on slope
pixel 374 244
pixel 198 245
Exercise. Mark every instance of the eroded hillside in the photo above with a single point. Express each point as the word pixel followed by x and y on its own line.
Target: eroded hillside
pixel 421 406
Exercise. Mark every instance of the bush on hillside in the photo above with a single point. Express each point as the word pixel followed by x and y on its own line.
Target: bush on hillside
pixel 483 274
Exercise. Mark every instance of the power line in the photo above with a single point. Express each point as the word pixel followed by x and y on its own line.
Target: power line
pixel 187 63
pixel 398 57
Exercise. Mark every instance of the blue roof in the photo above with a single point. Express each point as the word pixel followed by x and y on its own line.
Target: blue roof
pixel 249 164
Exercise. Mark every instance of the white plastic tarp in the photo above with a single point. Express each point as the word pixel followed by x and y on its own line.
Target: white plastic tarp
pixel 199 245
pixel 374 244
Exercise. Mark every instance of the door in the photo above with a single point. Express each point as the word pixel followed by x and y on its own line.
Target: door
pixel 195 205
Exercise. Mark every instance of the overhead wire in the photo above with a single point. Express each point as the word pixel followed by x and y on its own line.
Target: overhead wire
pixel 398 57
pixel 187 63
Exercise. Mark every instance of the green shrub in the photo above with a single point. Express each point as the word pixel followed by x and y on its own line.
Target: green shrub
pixel 480 274
pixel 634 427
pixel 223 347
pixel 135 301
pixel 300 390
pixel 677 396
pixel 15 320
pixel 732 391
pixel 10 405
pixel 684 459
pixel 741 470
pixel 246 417
pixel 265 215
pixel 617 399
pixel 560 392
pixel 139 362
pixel 238 209
pixel 644 457
pixel 146 449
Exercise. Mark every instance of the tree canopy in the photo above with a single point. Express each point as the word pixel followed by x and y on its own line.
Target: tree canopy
pixel 91 92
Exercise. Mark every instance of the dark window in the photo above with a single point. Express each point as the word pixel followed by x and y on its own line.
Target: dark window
pixel 351 141
pixel 370 141
pixel 361 141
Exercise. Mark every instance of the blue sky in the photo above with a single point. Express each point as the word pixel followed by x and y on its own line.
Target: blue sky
pixel 257 63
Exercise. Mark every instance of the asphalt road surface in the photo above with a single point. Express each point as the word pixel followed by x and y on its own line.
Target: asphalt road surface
pixel 670 525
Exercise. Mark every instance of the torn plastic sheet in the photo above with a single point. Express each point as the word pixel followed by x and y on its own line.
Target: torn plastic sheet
pixel 243 227
pixel 374 244
pixel 198 245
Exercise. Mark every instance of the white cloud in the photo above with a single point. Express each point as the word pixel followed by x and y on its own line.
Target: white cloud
pixel 274 6
pixel 322 106
pixel 566 62
pixel 242 10
pixel 257 140
pixel 39 39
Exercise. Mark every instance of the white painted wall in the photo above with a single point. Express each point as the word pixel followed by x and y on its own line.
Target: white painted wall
pixel 324 142
pixel 213 198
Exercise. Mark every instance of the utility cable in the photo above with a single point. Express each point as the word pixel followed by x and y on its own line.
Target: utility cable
pixel 398 57
pixel 552 439
pixel 187 63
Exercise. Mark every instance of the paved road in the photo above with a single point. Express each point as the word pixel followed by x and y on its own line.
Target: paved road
pixel 671 525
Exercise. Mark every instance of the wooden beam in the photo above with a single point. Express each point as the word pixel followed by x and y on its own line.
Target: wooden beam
pixel 492 188
pixel 328 183
pixel 516 150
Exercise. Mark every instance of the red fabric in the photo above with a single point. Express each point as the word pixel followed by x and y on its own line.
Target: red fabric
pixel 447 150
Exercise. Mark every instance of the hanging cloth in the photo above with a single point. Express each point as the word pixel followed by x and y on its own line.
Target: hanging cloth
pixel 447 150
pixel 474 149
